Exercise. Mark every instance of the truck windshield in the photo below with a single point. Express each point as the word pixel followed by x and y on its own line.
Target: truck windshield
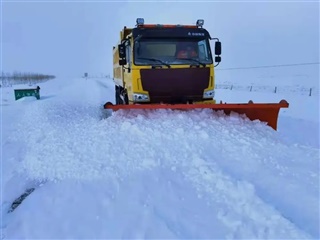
pixel 172 51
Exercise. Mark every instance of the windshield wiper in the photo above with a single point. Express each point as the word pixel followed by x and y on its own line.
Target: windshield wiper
pixel 192 59
pixel 156 60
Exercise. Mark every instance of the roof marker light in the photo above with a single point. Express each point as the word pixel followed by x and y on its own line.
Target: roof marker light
pixel 200 22
pixel 140 21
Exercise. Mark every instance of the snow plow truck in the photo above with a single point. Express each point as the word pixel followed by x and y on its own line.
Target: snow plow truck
pixel 161 66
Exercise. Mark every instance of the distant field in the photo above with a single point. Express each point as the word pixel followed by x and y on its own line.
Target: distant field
pixel 303 80
pixel 301 90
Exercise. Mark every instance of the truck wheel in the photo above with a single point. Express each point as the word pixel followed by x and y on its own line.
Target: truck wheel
pixel 126 98
pixel 117 95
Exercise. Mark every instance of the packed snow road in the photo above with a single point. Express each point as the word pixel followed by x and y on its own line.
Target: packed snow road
pixel 154 174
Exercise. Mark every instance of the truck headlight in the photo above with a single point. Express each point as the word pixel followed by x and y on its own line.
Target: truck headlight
pixel 208 94
pixel 139 97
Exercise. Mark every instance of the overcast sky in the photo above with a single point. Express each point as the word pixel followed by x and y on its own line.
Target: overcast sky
pixel 70 38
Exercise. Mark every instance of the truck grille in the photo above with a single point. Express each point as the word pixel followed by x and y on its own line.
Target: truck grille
pixel 175 85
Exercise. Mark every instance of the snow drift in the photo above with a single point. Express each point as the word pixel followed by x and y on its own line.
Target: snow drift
pixel 156 174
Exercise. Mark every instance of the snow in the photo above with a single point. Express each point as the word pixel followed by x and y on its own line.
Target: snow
pixel 156 174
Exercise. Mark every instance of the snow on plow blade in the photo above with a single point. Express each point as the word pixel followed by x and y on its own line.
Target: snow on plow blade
pixel 265 112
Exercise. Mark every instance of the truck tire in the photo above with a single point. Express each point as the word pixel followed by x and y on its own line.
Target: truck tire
pixel 125 96
pixel 117 95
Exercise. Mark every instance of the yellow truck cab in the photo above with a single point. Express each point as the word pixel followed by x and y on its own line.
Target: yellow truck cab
pixel 172 64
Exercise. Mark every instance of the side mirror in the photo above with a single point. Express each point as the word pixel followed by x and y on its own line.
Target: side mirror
pixel 217 48
pixel 122 62
pixel 217 59
pixel 122 51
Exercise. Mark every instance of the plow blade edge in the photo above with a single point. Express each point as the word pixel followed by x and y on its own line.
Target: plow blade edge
pixel 265 112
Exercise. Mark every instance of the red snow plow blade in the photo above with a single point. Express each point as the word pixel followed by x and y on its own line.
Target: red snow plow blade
pixel 265 112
